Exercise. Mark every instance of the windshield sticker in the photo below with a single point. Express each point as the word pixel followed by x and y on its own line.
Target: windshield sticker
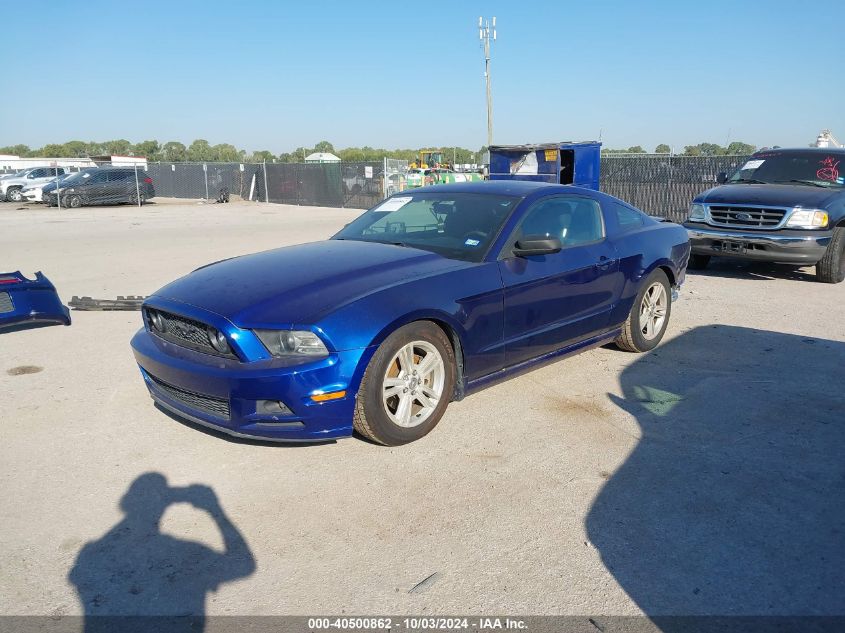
pixel 752 164
pixel 471 242
pixel 829 170
pixel 394 204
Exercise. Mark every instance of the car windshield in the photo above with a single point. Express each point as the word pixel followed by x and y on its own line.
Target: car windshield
pixel 75 177
pixel 455 225
pixel 819 169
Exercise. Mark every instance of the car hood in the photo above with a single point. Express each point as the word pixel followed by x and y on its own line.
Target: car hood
pixel 297 283
pixel 769 195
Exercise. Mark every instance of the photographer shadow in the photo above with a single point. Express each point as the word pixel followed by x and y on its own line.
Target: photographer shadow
pixel 731 502
pixel 135 578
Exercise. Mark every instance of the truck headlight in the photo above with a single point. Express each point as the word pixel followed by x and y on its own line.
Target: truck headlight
pixel 807 219
pixel 697 213
pixel 292 343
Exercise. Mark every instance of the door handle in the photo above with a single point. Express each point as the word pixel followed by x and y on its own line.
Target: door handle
pixel 605 263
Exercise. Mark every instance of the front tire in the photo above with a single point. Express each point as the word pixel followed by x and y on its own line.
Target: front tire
pixel 698 262
pixel 14 194
pixel 831 267
pixel 649 316
pixel 73 202
pixel 407 385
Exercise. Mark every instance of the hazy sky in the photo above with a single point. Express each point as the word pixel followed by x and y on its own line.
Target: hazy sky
pixel 276 74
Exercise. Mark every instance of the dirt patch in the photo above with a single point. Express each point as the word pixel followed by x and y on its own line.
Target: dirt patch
pixel 24 369
pixel 579 407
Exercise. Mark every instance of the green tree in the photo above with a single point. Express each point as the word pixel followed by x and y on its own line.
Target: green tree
pixel 174 151
pixel 119 147
pixel 662 149
pixel 226 153
pixel 16 150
pixel 740 149
pixel 200 151
pixel 151 150
pixel 262 155
pixel 324 146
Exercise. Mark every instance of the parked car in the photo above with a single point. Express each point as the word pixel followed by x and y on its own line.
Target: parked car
pixel 35 193
pixel 783 205
pixel 57 182
pixel 431 295
pixel 10 188
pixel 107 185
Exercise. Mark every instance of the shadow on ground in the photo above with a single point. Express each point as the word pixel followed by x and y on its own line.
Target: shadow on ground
pixel 732 502
pixel 134 571
pixel 744 269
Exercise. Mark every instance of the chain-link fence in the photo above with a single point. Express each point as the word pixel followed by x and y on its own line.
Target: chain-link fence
pixel 659 184
pixel 662 184
pixel 356 185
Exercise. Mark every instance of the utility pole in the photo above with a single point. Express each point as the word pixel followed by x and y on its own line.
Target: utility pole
pixel 485 31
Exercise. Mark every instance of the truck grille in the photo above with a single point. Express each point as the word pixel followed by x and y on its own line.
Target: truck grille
pixel 187 333
pixel 746 217
pixel 6 304
pixel 216 406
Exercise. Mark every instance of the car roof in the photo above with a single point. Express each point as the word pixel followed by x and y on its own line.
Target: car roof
pixel 504 187
pixel 813 150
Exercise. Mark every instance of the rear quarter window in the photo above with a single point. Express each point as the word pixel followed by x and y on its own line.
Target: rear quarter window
pixel 627 219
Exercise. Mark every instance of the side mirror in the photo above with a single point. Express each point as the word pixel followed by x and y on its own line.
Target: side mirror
pixel 537 245
pixel 721 178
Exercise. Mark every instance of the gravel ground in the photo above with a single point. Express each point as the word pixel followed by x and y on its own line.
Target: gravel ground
pixel 705 477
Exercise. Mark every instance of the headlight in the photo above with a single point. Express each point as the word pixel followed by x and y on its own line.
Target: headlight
pixel 696 212
pixel 292 343
pixel 807 219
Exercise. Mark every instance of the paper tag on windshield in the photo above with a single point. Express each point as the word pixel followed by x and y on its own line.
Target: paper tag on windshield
pixel 394 204
pixel 752 164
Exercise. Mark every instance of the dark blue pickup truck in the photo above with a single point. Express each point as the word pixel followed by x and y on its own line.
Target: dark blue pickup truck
pixel 783 205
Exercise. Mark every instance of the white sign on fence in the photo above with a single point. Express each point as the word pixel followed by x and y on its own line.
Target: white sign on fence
pixel 368 171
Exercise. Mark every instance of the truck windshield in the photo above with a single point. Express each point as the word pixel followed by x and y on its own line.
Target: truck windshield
pixel 812 168
pixel 454 225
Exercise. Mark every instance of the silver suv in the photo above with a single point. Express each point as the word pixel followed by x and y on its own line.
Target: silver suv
pixel 10 188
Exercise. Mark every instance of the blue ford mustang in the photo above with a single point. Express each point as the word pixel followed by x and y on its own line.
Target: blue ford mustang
pixel 427 297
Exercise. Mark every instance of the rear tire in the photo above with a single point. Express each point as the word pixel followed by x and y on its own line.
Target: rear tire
pixel 649 316
pixel 133 199
pixel 407 385
pixel 698 262
pixel 831 267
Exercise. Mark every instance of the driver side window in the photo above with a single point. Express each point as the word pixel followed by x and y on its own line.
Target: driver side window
pixel 571 219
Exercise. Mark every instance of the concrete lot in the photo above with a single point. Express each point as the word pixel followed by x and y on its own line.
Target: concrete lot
pixel 705 477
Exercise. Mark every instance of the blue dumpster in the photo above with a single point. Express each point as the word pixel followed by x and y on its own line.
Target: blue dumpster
pixel 560 163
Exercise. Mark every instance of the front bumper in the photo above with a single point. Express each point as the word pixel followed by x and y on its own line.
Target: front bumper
pixel 26 301
pixel 31 195
pixel 227 394
pixel 784 246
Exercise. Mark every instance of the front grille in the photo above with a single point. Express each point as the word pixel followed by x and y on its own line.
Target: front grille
pixel 6 304
pixel 209 404
pixel 746 217
pixel 187 333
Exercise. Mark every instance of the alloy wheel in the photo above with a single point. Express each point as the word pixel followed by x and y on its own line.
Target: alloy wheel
pixel 413 384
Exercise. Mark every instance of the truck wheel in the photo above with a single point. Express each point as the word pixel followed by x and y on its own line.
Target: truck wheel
pixel 831 267
pixel 13 194
pixel 649 316
pixel 698 262
pixel 407 386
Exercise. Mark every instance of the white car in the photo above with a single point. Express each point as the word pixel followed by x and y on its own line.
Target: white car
pixel 11 188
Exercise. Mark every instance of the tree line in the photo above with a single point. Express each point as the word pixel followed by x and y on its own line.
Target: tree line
pixel 201 150
pixel 737 148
